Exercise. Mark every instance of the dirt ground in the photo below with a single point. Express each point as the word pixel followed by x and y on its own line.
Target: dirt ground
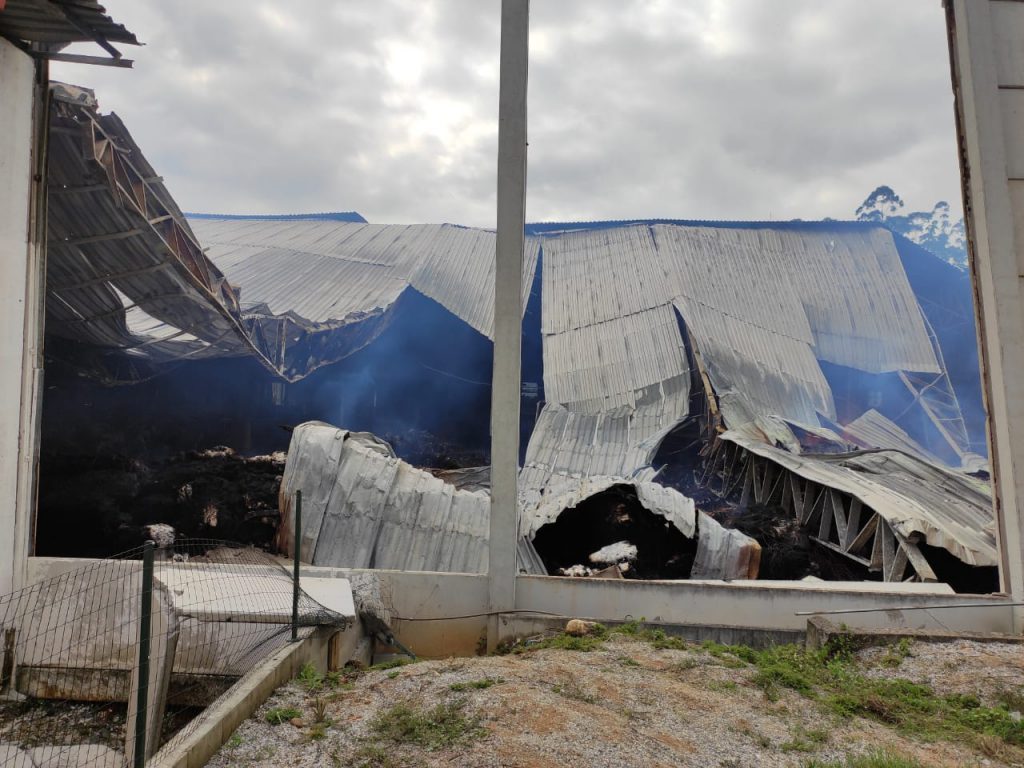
pixel 623 703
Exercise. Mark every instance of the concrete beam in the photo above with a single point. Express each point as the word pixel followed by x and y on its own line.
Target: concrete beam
pixel 508 315
pixel 986 42
pixel 22 217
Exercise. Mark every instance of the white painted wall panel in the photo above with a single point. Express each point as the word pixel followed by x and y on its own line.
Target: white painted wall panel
pixel 16 76
pixel 1008 32
pixel 1012 109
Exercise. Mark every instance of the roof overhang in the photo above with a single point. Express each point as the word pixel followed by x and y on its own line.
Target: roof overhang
pixel 42 28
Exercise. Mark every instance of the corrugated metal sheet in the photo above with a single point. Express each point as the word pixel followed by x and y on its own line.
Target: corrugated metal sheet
pixel 60 21
pixel 874 430
pixel 329 272
pixel 950 509
pixel 365 508
pixel 568 445
pixel 600 367
pixel 748 325
pixel 854 291
pixel 121 260
pixel 721 553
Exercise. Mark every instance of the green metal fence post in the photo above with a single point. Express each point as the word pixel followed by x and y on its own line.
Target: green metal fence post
pixel 145 627
pixel 296 548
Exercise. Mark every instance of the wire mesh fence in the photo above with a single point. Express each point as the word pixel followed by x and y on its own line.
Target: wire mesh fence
pixel 78 685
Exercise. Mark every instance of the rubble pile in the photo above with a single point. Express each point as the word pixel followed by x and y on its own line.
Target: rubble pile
pixel 99 505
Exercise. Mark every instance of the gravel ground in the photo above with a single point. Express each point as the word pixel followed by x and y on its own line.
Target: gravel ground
pixel 624 704
pixel 35 723
pixel 962 666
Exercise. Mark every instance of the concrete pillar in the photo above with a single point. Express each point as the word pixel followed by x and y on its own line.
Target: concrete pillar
pixel 23 85
pixel 508 309
pixel 987 57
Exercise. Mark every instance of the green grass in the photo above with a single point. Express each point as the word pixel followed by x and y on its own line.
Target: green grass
pixel 833 677
pixel 280 715
pixel 445 725
pixel 374 756
pixel 804 740
pixel 895 655
pixel 871 760
pixel 596 639
pixel 392 664
pixel 234 742
pixel 479 685
pixel 310 677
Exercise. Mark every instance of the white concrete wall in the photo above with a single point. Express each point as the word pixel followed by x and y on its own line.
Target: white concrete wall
pixel 445 614
pixel 17 72
pixel 987 52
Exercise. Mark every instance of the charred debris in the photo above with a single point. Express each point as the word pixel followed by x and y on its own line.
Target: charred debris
pixel 699 400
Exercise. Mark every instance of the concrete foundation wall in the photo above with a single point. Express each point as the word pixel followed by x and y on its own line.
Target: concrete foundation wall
pixel 445 614
pixel 734 606
pixel 754 604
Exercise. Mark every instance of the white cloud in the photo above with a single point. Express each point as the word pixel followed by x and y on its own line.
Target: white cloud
pixel 710 108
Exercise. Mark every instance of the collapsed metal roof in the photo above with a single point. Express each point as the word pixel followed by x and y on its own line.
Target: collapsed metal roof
pixel 337 273
pixel 124 270
pixel 365 508
pixel 760 307
pixel 918 499
pixel 632 317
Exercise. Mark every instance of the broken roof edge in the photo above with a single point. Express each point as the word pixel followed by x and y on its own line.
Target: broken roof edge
pixel 722 553
pixel 349 216
pixel 908 515
pixel 62 21
pixel 138 195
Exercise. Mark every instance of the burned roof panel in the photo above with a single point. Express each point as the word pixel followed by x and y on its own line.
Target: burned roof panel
pixel 606 364
pixel 855 292
pixel 595 277
pixel 949 509
pixel 60 21
pixel 121 258
pixel 451 265
pixel 365 508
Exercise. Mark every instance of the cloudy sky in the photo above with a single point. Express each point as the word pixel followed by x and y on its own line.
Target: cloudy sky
pixel 741 109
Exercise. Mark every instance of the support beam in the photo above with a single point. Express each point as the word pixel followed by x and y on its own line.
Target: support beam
pixel 79 58
pixel 508 310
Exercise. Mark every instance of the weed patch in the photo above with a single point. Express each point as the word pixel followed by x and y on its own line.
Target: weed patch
pixel 573 690
pixel 445 725
pixel 804 740
pixel 895 654
pixel 478 685
pixel 872 760
pixel 280 715
pixel 392 664
pixel 833 676
pixel 310 677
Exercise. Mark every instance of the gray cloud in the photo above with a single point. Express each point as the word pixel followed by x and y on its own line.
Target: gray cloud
pixel 710 108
